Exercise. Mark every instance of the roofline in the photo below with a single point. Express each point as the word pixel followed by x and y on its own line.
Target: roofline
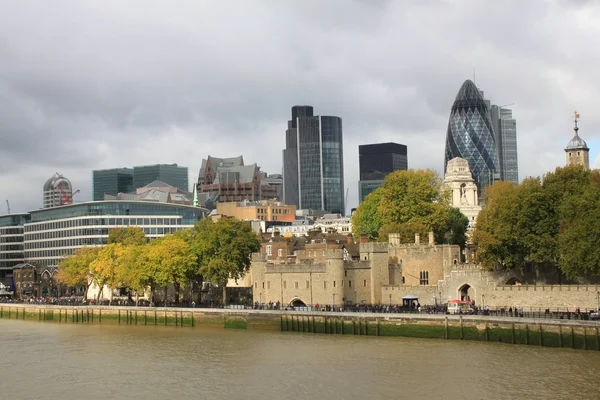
pixel 115 201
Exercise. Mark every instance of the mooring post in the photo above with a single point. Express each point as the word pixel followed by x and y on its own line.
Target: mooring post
pixel 100 316
pixel 597 339
pixel 155 322
pixel 560 337
pixel 526 334
pixel 487 332
pixel 165 317
pixel 192 318
pixel 145 317
pixel 461 328
pixel 541 336
pixel 585 344
pixel 446 328
pixel 573 337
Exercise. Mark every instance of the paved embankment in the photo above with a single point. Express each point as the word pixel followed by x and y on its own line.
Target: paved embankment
pixel 542 332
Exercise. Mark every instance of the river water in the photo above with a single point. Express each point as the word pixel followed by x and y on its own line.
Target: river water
pixel 52 361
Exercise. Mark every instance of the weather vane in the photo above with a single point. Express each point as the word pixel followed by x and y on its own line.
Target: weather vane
pixel 576 116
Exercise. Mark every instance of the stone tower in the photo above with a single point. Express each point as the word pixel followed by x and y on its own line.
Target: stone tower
pixel 577 151
pixel 463 190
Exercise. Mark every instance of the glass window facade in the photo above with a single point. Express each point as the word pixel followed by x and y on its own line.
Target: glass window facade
pixel 111 182
pixel 376 161
pixel 313 167
pixel 471 135
pixel 172 174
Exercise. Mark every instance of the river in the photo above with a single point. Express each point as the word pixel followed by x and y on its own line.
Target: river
pixel 52 361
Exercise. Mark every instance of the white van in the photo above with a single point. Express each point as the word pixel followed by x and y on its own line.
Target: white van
pixel 459 307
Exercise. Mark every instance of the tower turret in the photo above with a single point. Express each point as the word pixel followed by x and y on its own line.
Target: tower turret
pixel 578 153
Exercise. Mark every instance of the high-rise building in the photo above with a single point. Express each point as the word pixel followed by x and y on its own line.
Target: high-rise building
pixel 313 162
pixel 172 174
pixel 471 135
pixel 578 153
pixel 111 182
pixel 375 162
pixel 57 191
pixel 505 135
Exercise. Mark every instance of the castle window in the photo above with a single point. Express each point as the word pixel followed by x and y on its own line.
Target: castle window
pixel 365 283
pixel 342 283
pixel 345 273
pixel 307 284
pixel 424 278
pixel 349 284
pixel 269 250
pixel 284 284
pixel 255 285
pixel 263 285
pixel 296 285
pixel 333 283
pixel 324 284
pixel 280 252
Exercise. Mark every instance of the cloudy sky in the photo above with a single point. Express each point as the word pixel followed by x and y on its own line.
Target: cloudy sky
pixel 100 84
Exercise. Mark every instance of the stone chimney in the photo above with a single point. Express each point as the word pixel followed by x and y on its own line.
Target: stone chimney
pixel 350 239
pixel 431 239
pixel 276 232
pixel 394 239
pixel 417 239
pixel 364 238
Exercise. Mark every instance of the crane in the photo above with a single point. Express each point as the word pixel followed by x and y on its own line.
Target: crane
pixel 66 199
pixel 8 206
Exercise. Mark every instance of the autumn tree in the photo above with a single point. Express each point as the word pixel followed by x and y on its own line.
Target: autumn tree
pixel 75 269
pixel 365 220
pixel 223 250
pixel 131 235
pixel 176 262
pixel 105 268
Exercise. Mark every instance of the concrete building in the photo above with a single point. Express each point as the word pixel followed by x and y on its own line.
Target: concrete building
pixel 578 153
pixel 229 180
pixel 328 223
pixel 505 133
pixel 57 191
pixel 463 190
pixel 313 162
pixel 263 210
pixel 111 182
pixel 375 162
pixel 172 174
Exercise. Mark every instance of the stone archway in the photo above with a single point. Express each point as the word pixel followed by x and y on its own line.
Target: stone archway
pixel 297 302
pixel 513 281
pixel 466 293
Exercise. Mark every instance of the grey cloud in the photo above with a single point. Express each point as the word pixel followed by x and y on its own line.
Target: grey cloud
pixel 87 85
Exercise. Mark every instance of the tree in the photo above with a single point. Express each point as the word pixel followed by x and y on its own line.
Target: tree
pixel 456 229
pixel 75 269
pixel 128 272
pixel 365 220
pixel 131 235
pixel 406 231
pixel 105 268
pixel 177 262
pixel 224 250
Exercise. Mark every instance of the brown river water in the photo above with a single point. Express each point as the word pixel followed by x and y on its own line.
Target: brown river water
pixel 52 361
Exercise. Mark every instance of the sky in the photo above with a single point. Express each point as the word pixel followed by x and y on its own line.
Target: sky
pixel 90 85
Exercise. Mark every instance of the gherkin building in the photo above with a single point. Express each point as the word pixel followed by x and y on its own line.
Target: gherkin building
pixel 471 135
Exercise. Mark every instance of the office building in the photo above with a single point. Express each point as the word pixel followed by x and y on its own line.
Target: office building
pixel 470 136
pixel 229 180
pixel 172 174
pixel 11 244
pixel 57 191
pixel 376 161
pixel 505 134
pixel 313 162
pixel 111 182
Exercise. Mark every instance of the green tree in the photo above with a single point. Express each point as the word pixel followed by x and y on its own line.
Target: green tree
pixel 365 220
pixel 131 235
pixel 406 231
pixel 177 262
pixel 75 269
pixel 456 229
pixel 224 250
pixel 105 268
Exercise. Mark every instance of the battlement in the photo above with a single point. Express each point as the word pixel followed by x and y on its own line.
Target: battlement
pixel 373 247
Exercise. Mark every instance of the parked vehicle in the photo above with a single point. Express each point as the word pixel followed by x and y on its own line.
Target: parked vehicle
pixel 459 307
pixel 595 315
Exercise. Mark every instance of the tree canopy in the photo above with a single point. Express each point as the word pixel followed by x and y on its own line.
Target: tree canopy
pixel 549 224
pixel 131 235
pixel 410 202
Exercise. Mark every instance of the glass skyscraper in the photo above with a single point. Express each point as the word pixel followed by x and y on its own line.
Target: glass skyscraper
pixel 111 182
pixel 470 135
pixel 505 131
pixel 313 162
pixel 375 162
pixel 172 174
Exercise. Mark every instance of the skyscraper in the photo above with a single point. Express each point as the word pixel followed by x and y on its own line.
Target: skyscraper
pixel 112 182
pixel 505 134
pixel 172 174
pixel 471 135
pixel 375 162
pixel 313 162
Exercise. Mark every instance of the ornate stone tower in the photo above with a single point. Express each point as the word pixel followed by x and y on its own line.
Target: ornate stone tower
pixel 459 181
pixel 577 151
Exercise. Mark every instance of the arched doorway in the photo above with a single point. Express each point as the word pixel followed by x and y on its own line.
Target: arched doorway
pixel 297 303
pixel 513 281
pixel 466 293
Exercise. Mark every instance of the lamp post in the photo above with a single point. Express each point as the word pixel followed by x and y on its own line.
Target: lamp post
pixel 333 305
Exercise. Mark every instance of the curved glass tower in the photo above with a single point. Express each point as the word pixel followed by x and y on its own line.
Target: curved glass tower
pixel 471 135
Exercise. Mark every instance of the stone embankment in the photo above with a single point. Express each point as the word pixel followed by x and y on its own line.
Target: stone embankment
pixel 583 335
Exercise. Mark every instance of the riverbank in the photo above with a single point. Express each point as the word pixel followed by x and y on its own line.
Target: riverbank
pixel 583 335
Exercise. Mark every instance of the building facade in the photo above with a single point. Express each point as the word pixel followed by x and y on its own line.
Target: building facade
pixel 577 151
pixel 505 133
pixel 111 182
pixel 264 210
pixel 375 162
pixel 313 162
pixel 11 244
pixel 172 174
pixel 57 191
pixel 229 180
pixel 470 136
pixel 463 190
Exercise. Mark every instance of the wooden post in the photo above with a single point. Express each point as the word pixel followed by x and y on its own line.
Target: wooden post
pixel 145 318
pixel 513 333
pixel 446 330
pixel 165 317
pixel 487 332
pixel 59 315
pixel 100 316
pixel 377 327
pixel 526 334
pixel 572 337
pixel 585 344
pixel 541 336
pixel 342 326
pixel 119 316
pixel 155 322
pixel 560 337
pixel 17 312
pixel 192 318
pixel 461 328
pixel 136 317
pixel 597 339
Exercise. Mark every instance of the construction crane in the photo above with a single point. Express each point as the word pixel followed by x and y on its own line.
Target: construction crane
pixel 346 200
pixel 66 199
pixel 8 206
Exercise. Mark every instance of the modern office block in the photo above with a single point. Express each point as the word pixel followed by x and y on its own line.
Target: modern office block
pixel 376 161
pixel 172 174
pixel 111 182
